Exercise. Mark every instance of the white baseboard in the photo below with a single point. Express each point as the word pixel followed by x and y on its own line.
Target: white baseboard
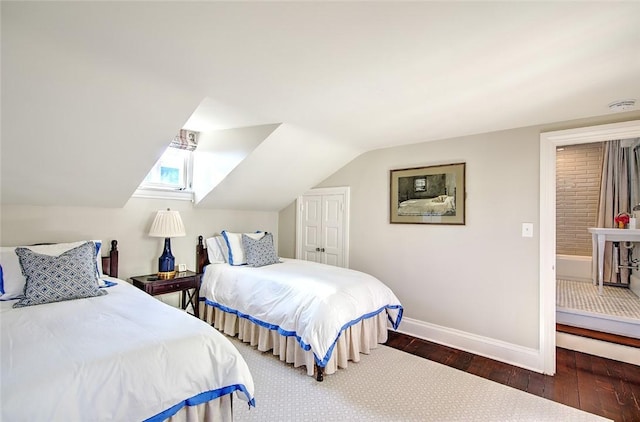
pixel 621 326
pixel 598 348
pixel 493 349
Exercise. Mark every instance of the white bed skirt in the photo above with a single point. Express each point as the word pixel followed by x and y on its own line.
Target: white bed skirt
pixel 359 338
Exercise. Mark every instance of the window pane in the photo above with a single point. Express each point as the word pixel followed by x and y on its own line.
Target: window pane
pixel 170 171
pixel 170 175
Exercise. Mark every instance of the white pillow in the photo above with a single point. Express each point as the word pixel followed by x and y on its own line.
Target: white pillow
pixel 216 256
pixel 13 281
pixel 222 244
pixel 234 244
pixel 12 284
pixel 102 282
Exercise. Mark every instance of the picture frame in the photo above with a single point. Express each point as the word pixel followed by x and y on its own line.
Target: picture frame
pixel 428 195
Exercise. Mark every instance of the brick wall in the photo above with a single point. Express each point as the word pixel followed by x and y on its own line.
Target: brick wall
pixel 578 172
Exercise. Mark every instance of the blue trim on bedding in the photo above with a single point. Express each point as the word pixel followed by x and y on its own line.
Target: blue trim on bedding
pixel 108 284
pixel 226 240
pixel 202 398
pixel 256 321
pixel 320 362
pixel 325 360
pixel 1 280
pixel 98 245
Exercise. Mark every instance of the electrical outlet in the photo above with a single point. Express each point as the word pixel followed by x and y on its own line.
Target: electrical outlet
pixel 182 267
pixel 527 229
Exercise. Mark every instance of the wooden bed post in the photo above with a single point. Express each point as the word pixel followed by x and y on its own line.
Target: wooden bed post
pixel 201 255
pixel 113 261
pixel 110 262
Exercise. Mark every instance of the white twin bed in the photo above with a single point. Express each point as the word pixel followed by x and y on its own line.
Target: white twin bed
pixel 119 356
pixel 310 314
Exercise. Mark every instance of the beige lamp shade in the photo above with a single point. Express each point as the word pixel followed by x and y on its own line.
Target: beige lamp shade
pixel 167 224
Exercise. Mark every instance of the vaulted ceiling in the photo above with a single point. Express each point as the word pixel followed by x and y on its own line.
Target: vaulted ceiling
pixel 92 92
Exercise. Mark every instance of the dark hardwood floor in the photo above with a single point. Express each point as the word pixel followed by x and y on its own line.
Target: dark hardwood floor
pixel 596 385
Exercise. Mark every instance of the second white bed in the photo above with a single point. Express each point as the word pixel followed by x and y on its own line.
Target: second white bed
pixel 307 313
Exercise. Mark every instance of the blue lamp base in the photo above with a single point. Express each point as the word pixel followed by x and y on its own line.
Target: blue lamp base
pixel 166 262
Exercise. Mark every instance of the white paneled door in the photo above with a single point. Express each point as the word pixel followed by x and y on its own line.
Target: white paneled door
pixel 322 226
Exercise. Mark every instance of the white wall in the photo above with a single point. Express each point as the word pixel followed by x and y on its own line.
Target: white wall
pixel 454 276
pixel 475 287
pixel 24 225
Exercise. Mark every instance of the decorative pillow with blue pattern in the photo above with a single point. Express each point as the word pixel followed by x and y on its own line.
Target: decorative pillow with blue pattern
pixel 71 275
pixel 259 252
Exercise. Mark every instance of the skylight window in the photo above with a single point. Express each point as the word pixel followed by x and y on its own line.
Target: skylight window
pixel 171 172
pixel 171 177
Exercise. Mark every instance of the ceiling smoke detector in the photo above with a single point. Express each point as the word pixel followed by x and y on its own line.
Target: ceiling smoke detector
pixel 622 105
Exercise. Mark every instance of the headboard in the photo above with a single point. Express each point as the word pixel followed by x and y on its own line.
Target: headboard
pixel 202 258
pixel 110 262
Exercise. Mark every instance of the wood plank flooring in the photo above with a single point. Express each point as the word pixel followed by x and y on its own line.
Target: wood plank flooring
pixel 596 385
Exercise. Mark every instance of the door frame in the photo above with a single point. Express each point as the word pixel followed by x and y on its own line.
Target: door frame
pixel 345 191
pixel 549 141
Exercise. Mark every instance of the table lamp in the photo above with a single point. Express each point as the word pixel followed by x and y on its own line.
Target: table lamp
pixel 167 224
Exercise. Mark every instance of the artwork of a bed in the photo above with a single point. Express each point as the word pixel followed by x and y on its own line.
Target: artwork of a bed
pixel 309 314
pixel 79 344
pixel 428 195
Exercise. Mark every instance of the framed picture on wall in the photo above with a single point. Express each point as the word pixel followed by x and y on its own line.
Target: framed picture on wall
pixel 428 195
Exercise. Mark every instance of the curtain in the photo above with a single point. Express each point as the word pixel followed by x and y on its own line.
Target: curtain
pixel 185 139
pixel 615 191
pixel 635 176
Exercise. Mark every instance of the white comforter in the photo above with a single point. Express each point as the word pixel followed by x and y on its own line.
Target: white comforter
pixel 313 302
pixel 124 356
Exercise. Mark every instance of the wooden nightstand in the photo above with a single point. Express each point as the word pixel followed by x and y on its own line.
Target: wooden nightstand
pixel 186 282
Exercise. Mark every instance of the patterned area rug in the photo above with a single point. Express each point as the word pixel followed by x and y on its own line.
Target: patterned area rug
pixel 583 296
pixel 388 385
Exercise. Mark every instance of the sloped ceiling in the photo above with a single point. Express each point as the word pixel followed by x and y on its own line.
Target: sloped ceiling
pixel 93 91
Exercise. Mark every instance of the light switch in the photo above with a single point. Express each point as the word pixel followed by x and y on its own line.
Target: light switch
pixel 527 229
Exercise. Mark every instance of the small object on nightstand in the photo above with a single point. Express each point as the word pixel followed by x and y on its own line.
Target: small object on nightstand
pixel 187 283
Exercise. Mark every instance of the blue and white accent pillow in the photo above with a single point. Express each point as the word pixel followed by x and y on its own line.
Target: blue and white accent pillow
pixel 13 280
pixel 71 275
pixel 260 252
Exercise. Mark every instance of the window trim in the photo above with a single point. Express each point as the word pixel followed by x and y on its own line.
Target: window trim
pixel 162 193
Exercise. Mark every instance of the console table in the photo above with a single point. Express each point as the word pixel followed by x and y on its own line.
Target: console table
pixel 598 237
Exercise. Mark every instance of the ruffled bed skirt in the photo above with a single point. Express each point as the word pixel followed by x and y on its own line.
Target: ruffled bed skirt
pixel 359 338
pixel 218 410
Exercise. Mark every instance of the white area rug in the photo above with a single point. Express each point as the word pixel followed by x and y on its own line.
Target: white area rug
pixel 388 385
pixel 584 296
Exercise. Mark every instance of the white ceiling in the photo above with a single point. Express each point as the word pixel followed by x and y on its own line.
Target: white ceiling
pixel 83 82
